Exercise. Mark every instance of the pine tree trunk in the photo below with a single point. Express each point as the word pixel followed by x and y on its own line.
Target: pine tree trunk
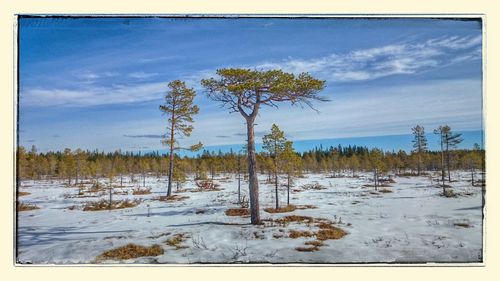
pixel 171 164
pixel 448 162
pixel 276 188
pixel 442 169
pixel 253 183
pixel 239 181
pixel 288 190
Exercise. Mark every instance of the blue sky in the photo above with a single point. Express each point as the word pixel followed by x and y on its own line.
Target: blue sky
pixel 96 83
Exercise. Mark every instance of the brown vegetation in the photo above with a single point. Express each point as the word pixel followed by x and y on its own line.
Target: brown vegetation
pixel 141 191
pixel 297 233
pixel 330 233
pixel 172 198
pixel 307 249
pixel 102 205
pixel 176 241
pixel 23 193
pixel 130 251
pixel 286 209
pixel 26 207
pixel 238 212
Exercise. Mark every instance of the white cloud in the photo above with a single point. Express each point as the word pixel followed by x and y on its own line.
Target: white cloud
pixel 90 96
pixel 373 63
pixel 142 75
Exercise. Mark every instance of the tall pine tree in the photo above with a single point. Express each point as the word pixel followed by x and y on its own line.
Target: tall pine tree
pixel 180 110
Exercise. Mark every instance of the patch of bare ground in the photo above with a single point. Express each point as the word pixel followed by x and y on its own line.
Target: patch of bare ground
pixel 23 193
pixel 385 190
pixel 177 240
pixel 172 198
pixel 21 207
pixel 286 209
pixel 130 251
pixel 462 225
pixel 234 212
pixel 141 191
pixel 102 205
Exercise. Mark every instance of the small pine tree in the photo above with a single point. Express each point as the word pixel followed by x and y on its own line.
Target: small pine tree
pixel 274 144
pixel 419 144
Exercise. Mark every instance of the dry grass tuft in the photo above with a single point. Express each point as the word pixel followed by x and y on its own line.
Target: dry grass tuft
pixel 295 218
pixel 172 198
pixel 297 234
pixel 26 207
pixel 304 207
pixel 385 190
pixel 130 251
pixel 307 249
pixel 315 243
pixel 330 233
pixel 104 205
pixel 177 240
pixel 141 191
pixel 462 224
pixel 23 193
pixel 238 212
pixel 289 208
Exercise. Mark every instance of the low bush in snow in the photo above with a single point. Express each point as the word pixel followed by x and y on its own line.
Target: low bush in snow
pixel 104 205
pixel 141 191
pixel 26 207
pixel 130 251
pixel 238 212
pixel 286 209
pixel 172 198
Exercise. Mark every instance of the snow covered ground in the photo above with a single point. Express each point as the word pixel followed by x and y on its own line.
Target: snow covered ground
pixel 411 224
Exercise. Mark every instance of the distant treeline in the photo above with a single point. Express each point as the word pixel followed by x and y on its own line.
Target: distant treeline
pixel 77 165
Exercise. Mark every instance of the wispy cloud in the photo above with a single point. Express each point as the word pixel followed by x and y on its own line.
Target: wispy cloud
pixel 145 136
pixel 373 63
pixel 142 75
pixel 90 96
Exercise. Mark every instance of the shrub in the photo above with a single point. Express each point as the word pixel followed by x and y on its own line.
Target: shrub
pixel 289 208
pixel 296 234
pixel 330 233
pixel 104 205
pixel 141 191
pixel 238 212
pixel 177 240
pixel 130 251
pixel 26 207
pixel 172 198
pixel 207 185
